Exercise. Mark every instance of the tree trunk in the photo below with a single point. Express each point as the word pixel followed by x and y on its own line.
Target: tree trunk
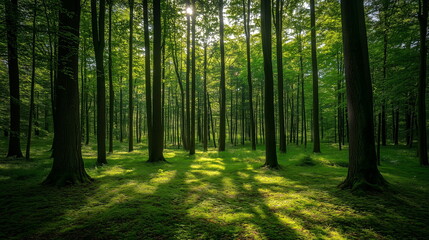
pixel 205 117
pixel 246 20
pixel 270 127
pixel 147 75
pixel 130 81
pixel 98 41
pixel 316 138
pixel 68 166
pixel 421 102
pixel 222 131
pixel 11 7
pixel 279 51
pixel 363 173
pixel 192 132
pixel 33 79
pixel 156 154
pixel 111 91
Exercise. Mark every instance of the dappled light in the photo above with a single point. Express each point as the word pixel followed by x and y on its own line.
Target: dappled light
pixel 212 195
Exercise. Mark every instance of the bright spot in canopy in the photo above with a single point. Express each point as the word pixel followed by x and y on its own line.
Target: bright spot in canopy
pixel 189 11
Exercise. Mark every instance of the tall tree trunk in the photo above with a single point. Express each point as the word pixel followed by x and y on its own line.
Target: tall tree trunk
pixel 121 118
pixel 279 51
pixel 33 79
pixel 205 117
pixel 246 20
pixel 192 132
pixel 68 166
pixel 363 173
pixel 98 41
pixel 222 130
pixel 11 7
pixel 316 138
pixel 147 75
pixel 421 102
pixel 188 67
pixel 156 154
pixel 270 127
pixel 130 81
pixel 111 91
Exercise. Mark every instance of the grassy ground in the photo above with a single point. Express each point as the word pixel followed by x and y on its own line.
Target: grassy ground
pixel 213 196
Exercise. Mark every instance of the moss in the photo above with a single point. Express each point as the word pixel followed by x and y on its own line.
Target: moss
pixel 212 196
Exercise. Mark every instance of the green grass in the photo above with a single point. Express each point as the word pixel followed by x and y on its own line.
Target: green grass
pixel 213 196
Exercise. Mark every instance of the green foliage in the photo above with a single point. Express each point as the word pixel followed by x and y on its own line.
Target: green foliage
pixel 212 196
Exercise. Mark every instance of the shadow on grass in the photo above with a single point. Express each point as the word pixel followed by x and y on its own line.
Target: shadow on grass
pixel 208 196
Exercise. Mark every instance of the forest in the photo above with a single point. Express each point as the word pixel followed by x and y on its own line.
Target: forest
pixel 217 119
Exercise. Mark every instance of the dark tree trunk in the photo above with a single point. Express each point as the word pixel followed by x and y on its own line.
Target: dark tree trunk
pixel 205 117
pixel 192 131
pixel 111 91
pixel 130 81
pixel 246 19
pixel 316 138
pixel 147 75
pixel 11 7
pixel 421 102
pixel 121 124
pixel 279 51
pixel 98 41
pixel 270 127
pixel 156 154
pixel 222 130
pixel 363 173
pixel 33 79
pixel 68 166
pixel 188 67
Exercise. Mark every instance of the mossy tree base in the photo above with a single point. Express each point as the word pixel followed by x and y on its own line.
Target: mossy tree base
pixel 59 179
pixel 366 183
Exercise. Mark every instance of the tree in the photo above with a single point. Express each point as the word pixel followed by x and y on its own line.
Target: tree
pixel 222 126
pixel 246 20
pixel 130 80
pixel 33 80
pixel 98 42
pixel 11 7
pixel 147 74
pixel 421 105
pixel 279 50
pixel 192 132
pixel 156 154
pixel 363 172
pixel 270 127
pixel 316 137
pixel 111 91
pixel 68 166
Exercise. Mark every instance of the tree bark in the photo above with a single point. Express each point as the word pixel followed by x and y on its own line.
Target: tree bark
pixel 193 76
pixel 111 91
pixel 130 81
pixel 98 41
pixel 68 166
pixel 33 79
pixel 147 75
pixel 222 130
pixel 156 154
pixel 316 137
pixel 279 50
pixel 11 7
pixel 270 127
pixel 363 173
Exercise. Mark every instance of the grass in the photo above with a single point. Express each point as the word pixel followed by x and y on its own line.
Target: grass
pixel 213 196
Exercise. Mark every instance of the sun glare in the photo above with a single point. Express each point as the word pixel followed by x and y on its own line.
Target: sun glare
pixel 189 11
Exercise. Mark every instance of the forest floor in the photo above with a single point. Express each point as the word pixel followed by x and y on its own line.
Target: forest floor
pixel 213 196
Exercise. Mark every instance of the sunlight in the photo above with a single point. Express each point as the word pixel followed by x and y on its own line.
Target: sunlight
pixel 189 11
